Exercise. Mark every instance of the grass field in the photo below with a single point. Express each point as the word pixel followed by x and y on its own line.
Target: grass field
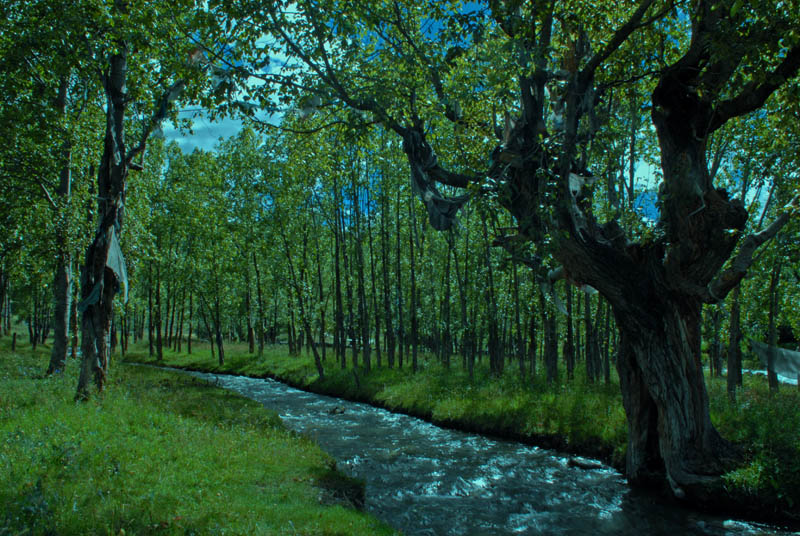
pixel 158 453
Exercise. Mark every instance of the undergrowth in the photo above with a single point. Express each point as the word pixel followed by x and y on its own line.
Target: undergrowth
pixel 767 428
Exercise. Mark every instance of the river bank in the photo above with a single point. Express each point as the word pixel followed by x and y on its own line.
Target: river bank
pixel 159 453
pixel 428 480
pixel 574 417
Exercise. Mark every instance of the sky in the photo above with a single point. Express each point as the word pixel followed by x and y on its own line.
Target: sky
pixel 206 133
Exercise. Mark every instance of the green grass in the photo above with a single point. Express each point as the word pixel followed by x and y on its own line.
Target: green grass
pixel 767 426
pixel 575 416
pixel 158 453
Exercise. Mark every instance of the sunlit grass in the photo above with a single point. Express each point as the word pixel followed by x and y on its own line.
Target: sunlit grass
pixel 157 454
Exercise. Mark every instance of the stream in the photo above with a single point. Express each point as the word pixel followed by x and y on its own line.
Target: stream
pixel 426 480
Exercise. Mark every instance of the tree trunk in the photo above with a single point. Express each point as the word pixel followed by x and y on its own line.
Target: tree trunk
pixel 112 336
pixel 716 345
pixel 320 290
pixel 218 330
pixel 772 328
pixel 298 285
pixel 447 338
pixel 179 330
pixel 191 324
pixel 63 296
pixel 150 307
pixel 569 342
pixel 519 346
pixel 159 320
pixel 413 308
pixel 532 343
pixel 579 346
pixel 251 335
pixel 401 336
pixel 734 348
pixel 290 342
pixel 348 287
pixel 125 329
pixel 495 346
pixel 462 277
pixel 3 306
pixel 387 289
pixel 273 330
pixel 62 285
pixel 260 322
pixel 363 309
pixel 339 340
pixel 169 323
pixel 374 289
pixel 74 324
pixel 606 344
pixel 665 397
pixel 550 340
pixel 98 281
pixel 592 352
pixel 204 316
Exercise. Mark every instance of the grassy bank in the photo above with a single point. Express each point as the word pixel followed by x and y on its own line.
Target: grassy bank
pixel 159 453
pixel 576 416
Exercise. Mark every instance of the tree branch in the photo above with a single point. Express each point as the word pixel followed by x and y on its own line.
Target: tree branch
pixel 158 116
pixel 48 196
pixel 755 94
pixel 433 72
pixel 328 77
pixel 719 288
pixel 618 38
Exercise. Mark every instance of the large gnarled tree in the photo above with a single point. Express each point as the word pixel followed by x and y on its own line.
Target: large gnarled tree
pixel 555 65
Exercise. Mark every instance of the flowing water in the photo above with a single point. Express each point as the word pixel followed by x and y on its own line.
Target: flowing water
pixel 427 480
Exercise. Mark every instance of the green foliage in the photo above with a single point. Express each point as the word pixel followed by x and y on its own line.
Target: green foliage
pixel 767 427
pixel 249 230
pixel 159 454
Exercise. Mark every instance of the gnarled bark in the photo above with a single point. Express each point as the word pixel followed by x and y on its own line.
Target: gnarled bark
pixel 98 282
pixel 665 397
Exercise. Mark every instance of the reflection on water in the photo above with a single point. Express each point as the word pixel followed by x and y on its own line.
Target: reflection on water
pixel 427 480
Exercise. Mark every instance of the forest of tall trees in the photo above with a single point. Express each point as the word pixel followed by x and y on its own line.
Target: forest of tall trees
pixel 546 187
